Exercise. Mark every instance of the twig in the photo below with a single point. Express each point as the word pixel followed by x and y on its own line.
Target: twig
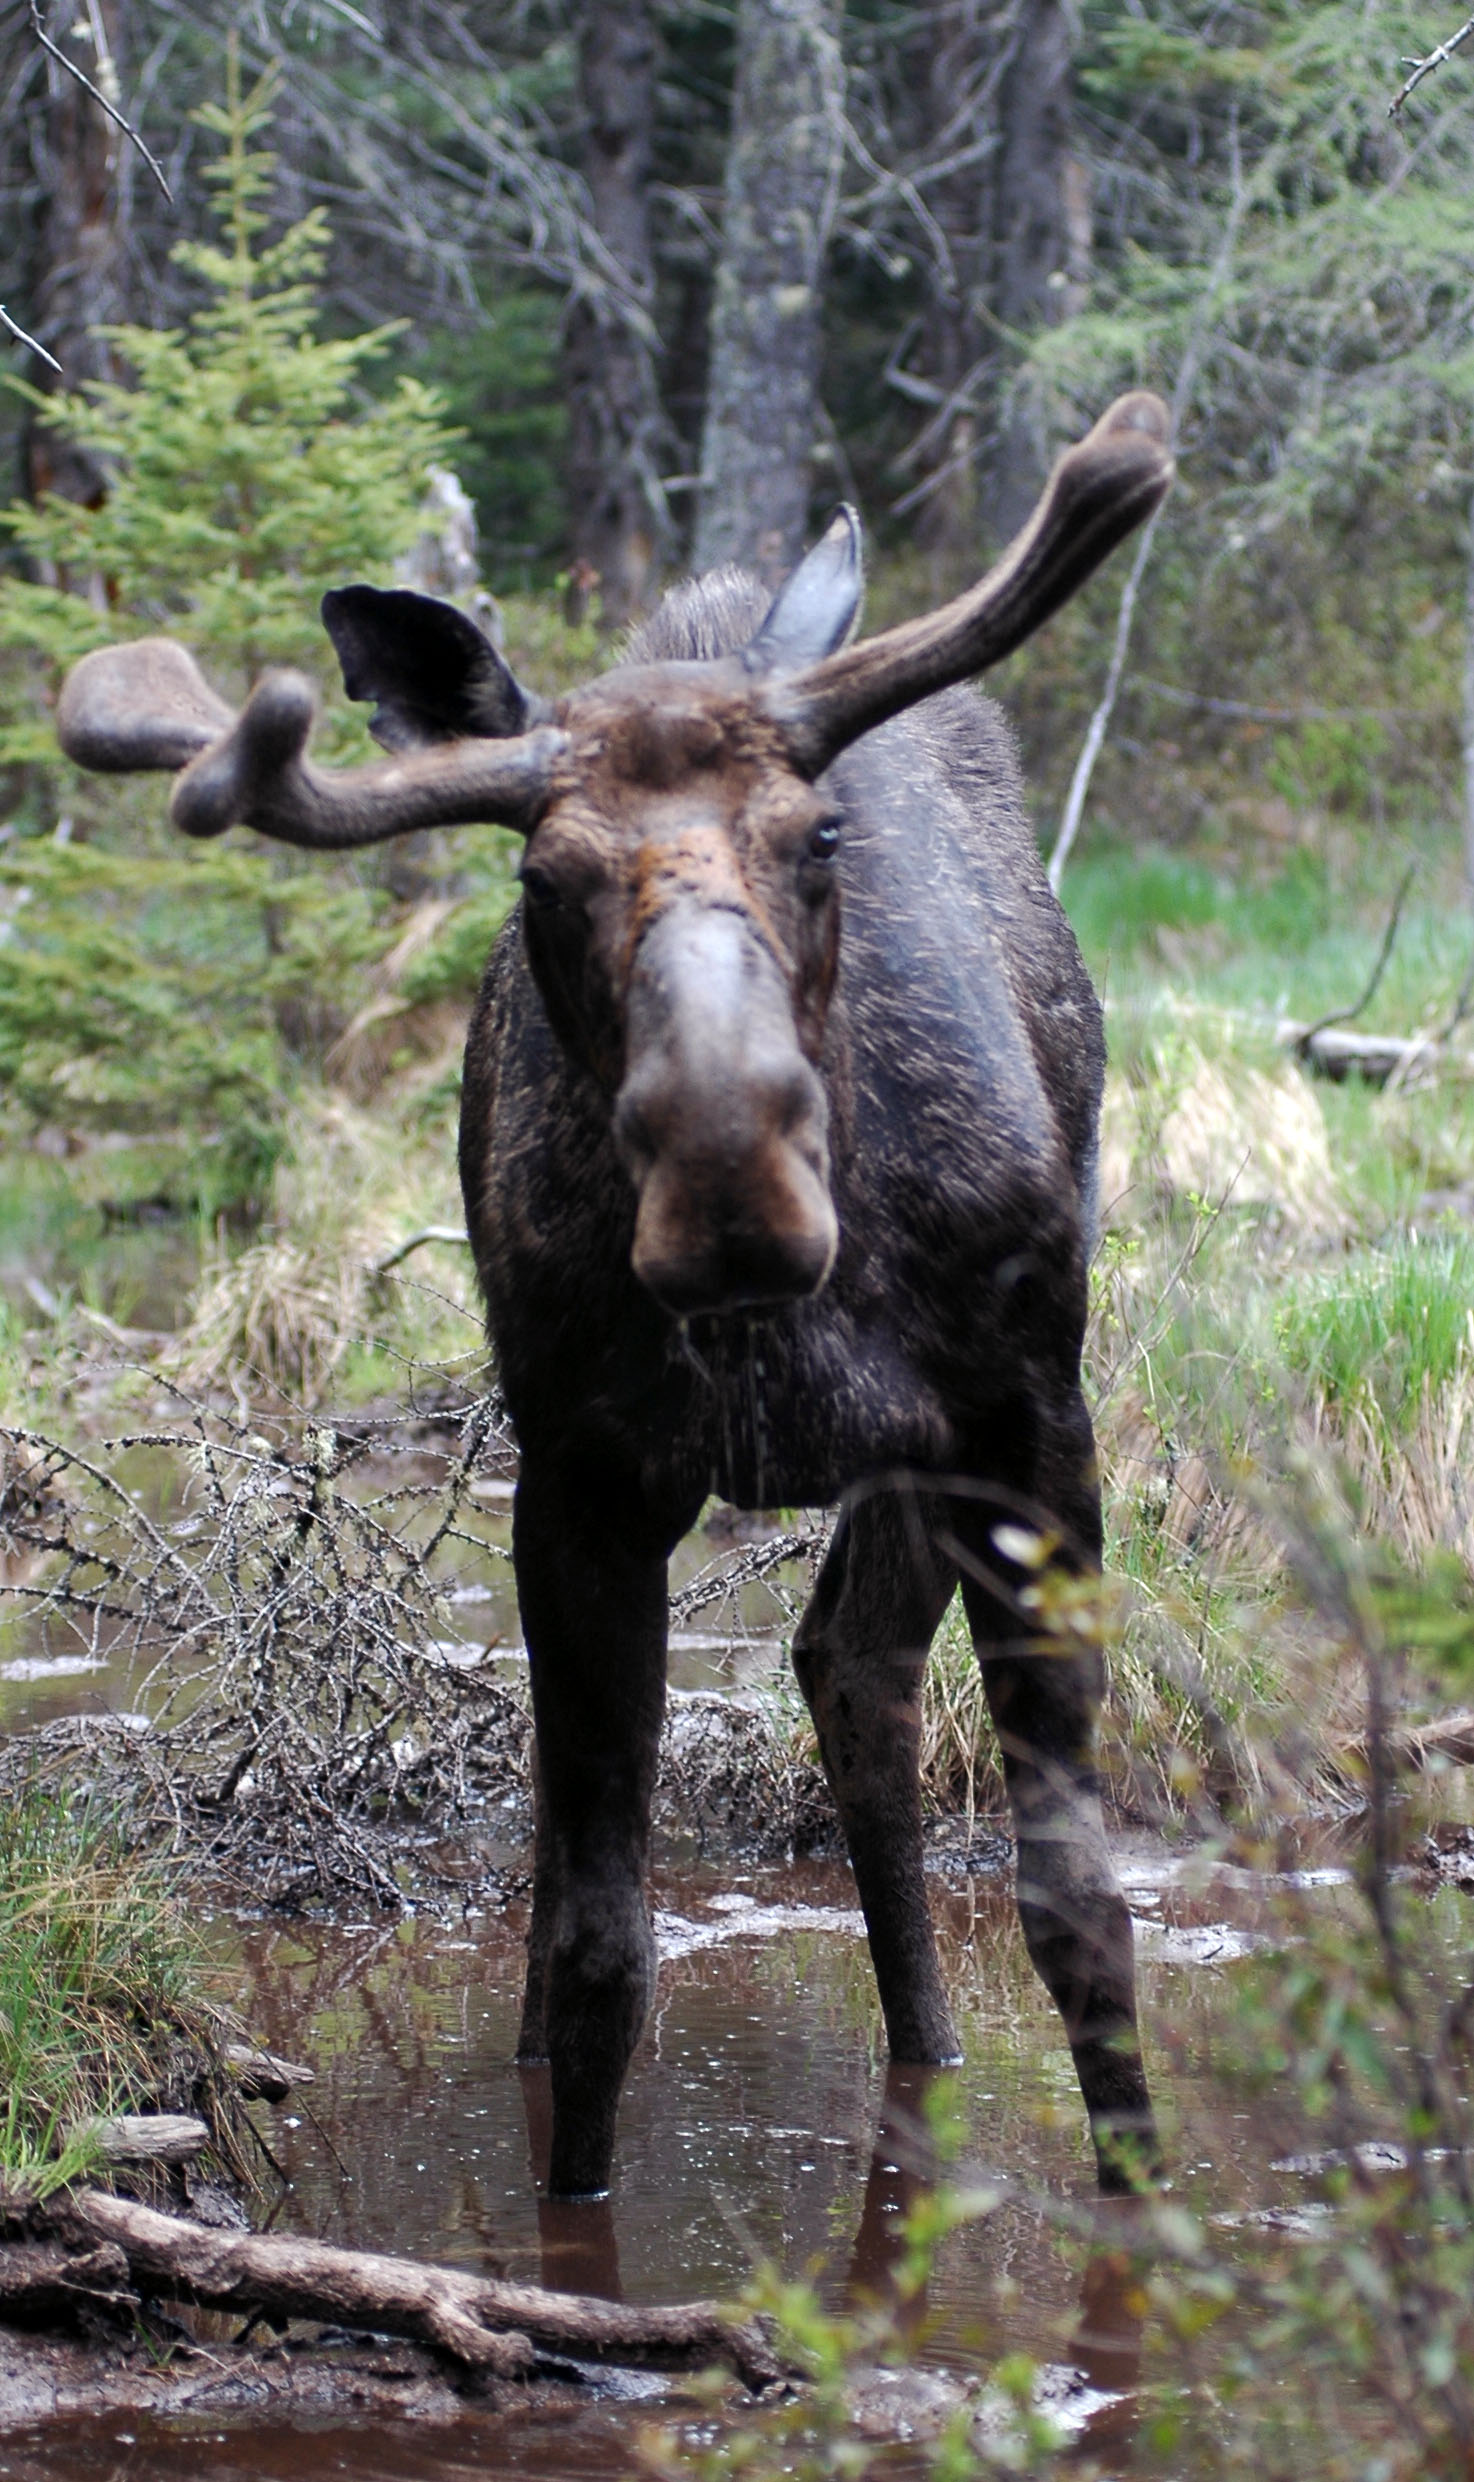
pixel 1424 68
pixel 1346 1016
pixel 22 338
pixel 113 114
pixel 1462 1006
pixel 1192 354
pixel 1241 712
pixel 450 1233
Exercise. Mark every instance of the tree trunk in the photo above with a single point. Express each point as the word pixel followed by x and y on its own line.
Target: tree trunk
pixel 1041 240
pixel 80 268
pixel 782 177
pixel 615 425
pixel 959 58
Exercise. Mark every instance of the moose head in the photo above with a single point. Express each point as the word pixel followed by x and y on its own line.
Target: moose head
pixel 680 892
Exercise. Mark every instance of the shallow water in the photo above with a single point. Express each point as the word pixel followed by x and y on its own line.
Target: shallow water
pixel 57 1664
pixel 758 2121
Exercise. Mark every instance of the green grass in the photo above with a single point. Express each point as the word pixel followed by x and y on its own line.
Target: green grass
pixel 1389 1325
pixel 106 1997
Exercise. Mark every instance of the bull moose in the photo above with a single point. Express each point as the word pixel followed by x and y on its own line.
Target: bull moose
pixel 778 1142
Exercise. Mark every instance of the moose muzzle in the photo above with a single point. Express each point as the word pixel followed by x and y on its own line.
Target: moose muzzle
pixel 721 1122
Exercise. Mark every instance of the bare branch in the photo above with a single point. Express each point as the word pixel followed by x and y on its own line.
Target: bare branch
pixel 452 1234
pixel 100 99
pixel 1192 354
pixel 1424 68
pixel 1346 1016
pixel 22 338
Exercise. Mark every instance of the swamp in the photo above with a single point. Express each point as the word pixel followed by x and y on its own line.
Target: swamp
pixel 266 1806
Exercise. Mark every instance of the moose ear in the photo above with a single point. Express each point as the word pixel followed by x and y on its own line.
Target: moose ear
pixel 434 675
pixel 816 610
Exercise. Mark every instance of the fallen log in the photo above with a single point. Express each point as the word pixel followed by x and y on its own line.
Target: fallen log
pixel 261 2076
pixel 147 2137
pixel 479 2321
pixel 40 2278
pixel 1335 1053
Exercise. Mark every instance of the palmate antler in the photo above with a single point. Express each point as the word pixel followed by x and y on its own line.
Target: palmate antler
pixel 147 706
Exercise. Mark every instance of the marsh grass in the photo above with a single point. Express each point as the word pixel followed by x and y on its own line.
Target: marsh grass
pixel 107 2001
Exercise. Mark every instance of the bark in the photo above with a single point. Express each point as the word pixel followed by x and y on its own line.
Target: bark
pixel 1041 239
pixel 615 425
pixel 958 60
pixel 783 164
pixel 484 2324
pixel 38 2279
pixel 1468 708
pixel 81 245
pixel 149 2137
pixel 1375 1057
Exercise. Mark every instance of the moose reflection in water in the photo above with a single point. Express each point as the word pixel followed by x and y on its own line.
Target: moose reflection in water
pixel 778 1143
pixel 579 2252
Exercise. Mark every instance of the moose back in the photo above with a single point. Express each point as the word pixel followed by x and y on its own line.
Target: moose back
pixel 778 1145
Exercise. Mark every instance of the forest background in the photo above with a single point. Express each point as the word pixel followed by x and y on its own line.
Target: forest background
pixel 660 285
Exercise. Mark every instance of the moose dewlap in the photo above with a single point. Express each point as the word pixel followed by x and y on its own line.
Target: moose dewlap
pixel 778 1142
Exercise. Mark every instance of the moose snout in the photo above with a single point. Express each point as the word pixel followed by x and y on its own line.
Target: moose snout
pixel 721 1123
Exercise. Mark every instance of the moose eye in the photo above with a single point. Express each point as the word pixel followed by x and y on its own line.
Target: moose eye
pixel 539 887
pixel 823 841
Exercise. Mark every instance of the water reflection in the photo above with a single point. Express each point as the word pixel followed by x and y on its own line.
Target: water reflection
pixel 759 2120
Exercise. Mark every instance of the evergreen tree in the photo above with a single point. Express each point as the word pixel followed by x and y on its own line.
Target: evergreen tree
pixel 247 469
pixel 149 987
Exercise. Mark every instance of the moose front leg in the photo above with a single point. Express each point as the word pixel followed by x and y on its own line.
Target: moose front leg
pixel 1045 1692
pixel 591 1583
pixel 859 1654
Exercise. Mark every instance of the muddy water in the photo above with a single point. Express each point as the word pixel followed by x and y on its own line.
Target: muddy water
pixel 758 2121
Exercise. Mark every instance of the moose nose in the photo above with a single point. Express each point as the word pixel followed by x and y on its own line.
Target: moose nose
pixel 721 1123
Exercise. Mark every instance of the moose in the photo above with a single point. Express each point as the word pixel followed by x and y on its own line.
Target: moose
pixel 779 1146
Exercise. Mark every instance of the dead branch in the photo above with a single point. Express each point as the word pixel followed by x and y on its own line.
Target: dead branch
pixel 1377 1057
pixel 481 2323
pixel 23 338
pixel 40 2279
pixel 295 1683
pixel 148 2137
pixel 1347 1016
pixel 1424 68
pixel 101 101
pixel 263 2078
pixel 452 1234
pixel 1187 379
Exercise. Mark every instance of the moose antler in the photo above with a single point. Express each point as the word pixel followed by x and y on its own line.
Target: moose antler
pixel 1099 492
pixel 147 706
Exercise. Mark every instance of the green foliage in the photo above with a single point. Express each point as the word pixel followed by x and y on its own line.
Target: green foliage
pixel 499 381
pixel 104 2005
pixel 167 996
pixel 245 476
pixel 1389 1329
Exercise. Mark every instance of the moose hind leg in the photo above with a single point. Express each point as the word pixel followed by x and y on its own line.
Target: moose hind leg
pixel 859 1655
pixel 1045 1697
pixel 593 1599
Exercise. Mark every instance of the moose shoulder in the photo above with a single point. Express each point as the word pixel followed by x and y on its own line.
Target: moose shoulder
pixel 778 1146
